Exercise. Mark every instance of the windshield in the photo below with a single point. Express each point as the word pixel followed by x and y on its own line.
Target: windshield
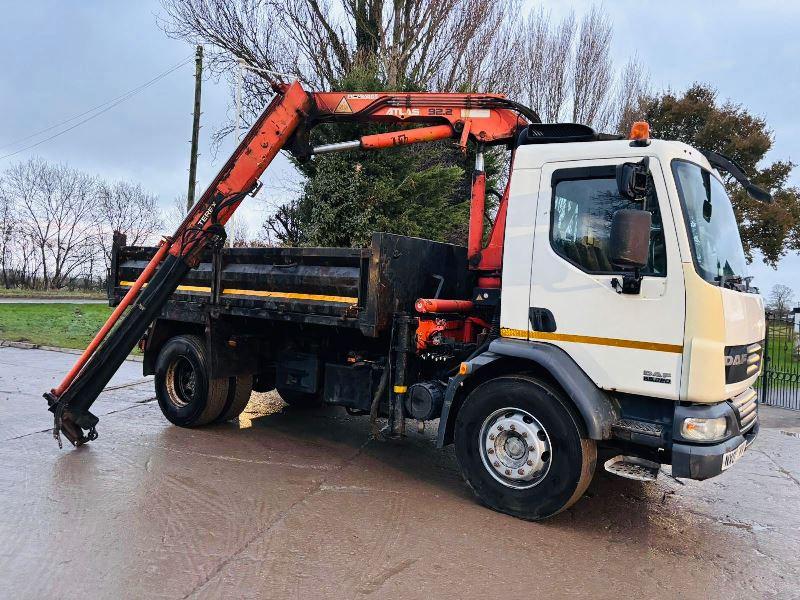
pixel 713 231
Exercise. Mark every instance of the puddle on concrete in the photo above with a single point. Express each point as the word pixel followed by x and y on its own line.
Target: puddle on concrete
pixel 751 527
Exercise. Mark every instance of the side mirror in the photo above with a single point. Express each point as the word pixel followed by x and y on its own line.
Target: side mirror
pixel 756 193
pixel 632 179
pixel 629 242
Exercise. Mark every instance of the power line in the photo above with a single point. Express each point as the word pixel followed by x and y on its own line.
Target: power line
pixel 106 106
pixel 94 108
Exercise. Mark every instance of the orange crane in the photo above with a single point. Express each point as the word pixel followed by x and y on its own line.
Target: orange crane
pixel 486 119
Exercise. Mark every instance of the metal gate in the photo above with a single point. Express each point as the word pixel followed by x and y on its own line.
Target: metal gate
pixel 779 384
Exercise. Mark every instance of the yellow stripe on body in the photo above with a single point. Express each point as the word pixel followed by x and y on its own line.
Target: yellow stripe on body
pixel 181 288
pixel 588 339
pixel 261 293
pixel 292 295
pixel 400 389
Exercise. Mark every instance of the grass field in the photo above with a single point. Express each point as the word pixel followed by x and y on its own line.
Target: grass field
pixel 25 293
pixel 62 325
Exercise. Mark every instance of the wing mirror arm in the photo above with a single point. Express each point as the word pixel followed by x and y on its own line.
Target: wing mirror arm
pixel 631 282
pixel 633 179
pixel 727 164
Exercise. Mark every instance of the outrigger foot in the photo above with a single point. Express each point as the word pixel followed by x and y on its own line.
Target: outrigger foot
pixel 70 424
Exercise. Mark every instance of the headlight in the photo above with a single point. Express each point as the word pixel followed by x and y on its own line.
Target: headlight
pixel 704 430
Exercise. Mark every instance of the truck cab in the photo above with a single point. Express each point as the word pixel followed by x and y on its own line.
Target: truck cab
pixel 677 351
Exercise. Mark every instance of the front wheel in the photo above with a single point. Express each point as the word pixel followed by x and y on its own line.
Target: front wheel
pixel 521 447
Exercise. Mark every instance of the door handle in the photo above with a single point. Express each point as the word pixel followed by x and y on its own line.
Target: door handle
pixel 541 319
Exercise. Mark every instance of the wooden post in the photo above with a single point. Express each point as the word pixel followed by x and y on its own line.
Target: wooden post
pixel 198 82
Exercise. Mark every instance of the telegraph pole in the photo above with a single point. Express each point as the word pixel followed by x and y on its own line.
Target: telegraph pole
pixel 198 82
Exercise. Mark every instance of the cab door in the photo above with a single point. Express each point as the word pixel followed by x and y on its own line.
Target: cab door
pixel 626 342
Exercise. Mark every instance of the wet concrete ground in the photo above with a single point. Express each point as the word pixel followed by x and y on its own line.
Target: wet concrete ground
pixel 288 504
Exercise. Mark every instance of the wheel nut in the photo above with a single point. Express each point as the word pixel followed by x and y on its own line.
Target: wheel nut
pixel 530 463
pixel 508 471
pixel 496 463
pixel 490 450
pixel 530 448
pixel 499 428
pixel 524 434
pixel 491 436
pixel 521 471
pixel 512 428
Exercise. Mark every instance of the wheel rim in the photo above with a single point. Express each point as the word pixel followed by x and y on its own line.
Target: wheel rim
pixel 515 448
pixel 181 382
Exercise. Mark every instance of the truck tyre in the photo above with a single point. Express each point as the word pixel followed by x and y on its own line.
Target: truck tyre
pixel 185 393
pixel 522 449
pixel 301 400
pixel 239 390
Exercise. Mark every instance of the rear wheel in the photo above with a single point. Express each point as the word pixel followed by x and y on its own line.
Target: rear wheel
pixel 185 393
pixel 239 390
pixel 297 399
pixel 521 447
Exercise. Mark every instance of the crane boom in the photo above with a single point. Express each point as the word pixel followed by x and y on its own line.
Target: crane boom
pixel 284 124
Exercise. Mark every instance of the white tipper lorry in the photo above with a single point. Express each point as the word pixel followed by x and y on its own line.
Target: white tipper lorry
pixel 609 308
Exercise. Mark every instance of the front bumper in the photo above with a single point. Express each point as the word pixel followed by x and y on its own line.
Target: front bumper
pixel 702 461
pixel 692 461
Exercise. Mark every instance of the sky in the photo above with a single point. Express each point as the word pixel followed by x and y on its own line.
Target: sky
pixel 62 58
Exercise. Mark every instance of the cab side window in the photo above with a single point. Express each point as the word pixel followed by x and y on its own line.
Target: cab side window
pixel 584 202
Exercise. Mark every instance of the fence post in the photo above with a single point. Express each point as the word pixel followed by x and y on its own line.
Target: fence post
pixel 765 362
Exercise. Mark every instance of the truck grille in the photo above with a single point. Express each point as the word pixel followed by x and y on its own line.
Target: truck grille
pixel 746 407
pixel 742 362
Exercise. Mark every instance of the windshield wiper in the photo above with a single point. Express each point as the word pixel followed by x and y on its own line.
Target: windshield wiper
pixel 734 282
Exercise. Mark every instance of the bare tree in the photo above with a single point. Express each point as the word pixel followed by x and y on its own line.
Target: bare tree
pixel 546 56
pixel 566 71
pixel 632 87
pixel 7 230
pixel 592 73
pixel 238 232
pixel 24 263
pixel 64 221
pixel 781 298
pixel 472 48
pixel 420 44
pixel 562 69
pixel 175 213
pixel 58 213
pixel 129 209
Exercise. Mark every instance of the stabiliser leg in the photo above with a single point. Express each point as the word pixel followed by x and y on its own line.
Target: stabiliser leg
pixel 202 228
pixel 71 409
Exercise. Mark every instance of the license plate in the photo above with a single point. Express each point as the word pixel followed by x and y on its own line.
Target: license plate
pixel 730 458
